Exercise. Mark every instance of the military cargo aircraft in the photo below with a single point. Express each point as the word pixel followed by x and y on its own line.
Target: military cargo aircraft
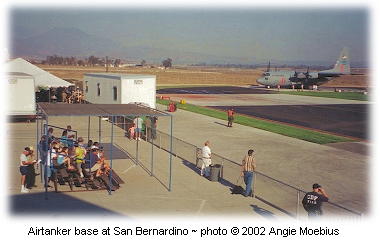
pixel 272 78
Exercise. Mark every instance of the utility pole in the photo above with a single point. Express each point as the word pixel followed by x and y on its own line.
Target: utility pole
pixel 107 64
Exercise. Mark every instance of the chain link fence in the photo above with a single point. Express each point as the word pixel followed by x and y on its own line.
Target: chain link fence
pixel 285 198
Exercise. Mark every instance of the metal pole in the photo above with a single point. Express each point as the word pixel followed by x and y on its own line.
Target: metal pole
pixel 46 166
pixel 100 129
pixel 152 138
pixel 171 154
pixel 137 144
pixel 111 154
pixel 254 185
pixel 298 204
pixel 88 128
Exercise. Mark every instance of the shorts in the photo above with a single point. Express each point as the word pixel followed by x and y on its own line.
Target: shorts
pixel 23 170
pixel 138 130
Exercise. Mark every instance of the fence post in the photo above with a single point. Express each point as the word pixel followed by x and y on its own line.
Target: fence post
pixel 298 204
pixel 222 169
pixel 254 185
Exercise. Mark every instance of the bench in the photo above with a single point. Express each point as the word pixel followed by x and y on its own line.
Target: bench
pixel 61 176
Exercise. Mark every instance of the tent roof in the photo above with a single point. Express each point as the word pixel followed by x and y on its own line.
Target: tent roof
pixel 58 109
pixel 41 77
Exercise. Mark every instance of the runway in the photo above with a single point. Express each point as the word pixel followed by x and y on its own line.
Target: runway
pixel 341 117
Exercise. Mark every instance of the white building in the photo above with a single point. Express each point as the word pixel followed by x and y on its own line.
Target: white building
pixel 20 95
pixel 113 88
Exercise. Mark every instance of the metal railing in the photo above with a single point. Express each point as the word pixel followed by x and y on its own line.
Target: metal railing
pixel 275 193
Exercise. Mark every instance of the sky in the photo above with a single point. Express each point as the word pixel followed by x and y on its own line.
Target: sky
pixel 260 32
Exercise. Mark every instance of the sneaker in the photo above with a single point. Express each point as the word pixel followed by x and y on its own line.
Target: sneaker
pixel 25 191
pixel 49 187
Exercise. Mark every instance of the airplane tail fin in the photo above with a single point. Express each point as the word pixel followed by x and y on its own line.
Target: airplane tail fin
pixel 342 65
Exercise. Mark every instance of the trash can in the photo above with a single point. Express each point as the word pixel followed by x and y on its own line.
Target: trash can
pixel 214 172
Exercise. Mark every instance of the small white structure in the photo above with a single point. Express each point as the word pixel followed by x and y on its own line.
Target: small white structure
pixel 41 77
pixel 20 95
pixel 113 88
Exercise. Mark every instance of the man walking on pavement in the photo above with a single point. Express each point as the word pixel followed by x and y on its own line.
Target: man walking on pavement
pixel 247 168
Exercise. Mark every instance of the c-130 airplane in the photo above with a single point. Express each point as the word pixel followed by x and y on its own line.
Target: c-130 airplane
pixel 285 79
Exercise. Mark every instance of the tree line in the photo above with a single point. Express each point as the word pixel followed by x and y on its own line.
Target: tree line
pixel 93 61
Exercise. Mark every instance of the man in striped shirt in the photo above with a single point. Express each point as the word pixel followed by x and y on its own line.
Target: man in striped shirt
pixel 247 168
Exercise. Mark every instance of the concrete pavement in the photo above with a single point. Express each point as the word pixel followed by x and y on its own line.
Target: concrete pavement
pixel 297 163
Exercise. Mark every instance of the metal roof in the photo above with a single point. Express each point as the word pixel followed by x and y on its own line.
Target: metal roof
pixel 64 109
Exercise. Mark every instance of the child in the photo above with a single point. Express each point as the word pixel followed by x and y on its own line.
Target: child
pixel 131 131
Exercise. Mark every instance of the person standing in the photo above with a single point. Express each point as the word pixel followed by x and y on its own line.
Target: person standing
pixel 148 127
pixel 64 95
pixel 24 168
pixel 230 114
pixel 132 131
pixel 154 123
pixel 312 201
pixel 43 147
pixel 247 168
pixel 206 160
pixel 30 179
pixel 139 122
pixel 71 136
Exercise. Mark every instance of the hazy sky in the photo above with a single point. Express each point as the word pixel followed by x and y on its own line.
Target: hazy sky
pixel 284 32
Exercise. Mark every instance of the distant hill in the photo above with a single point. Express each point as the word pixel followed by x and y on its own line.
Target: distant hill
pixel 72 42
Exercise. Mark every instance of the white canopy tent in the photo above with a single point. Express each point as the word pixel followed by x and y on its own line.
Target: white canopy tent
pixel 41 77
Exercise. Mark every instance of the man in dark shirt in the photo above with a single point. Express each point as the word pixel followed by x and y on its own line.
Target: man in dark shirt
pixel 312 201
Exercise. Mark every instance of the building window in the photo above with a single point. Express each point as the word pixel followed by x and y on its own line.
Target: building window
pixel 98 89
pixel 86 87
pixel 114 93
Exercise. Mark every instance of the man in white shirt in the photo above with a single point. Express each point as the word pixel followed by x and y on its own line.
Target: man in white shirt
pixel 139 122
pixel 24 168
pixel 206 160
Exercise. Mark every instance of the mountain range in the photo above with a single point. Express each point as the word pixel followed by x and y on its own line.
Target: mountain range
pixel 72 42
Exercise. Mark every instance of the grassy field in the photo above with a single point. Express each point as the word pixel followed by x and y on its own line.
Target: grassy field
pixel 189 75
pixel 271 126
pixel 359 96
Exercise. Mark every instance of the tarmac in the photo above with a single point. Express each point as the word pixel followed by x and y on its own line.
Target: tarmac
pixel 298 163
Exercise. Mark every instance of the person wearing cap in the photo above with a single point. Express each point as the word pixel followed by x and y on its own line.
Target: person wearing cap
pixel 247 168
pixel 312 201
pixel 230 114
pixel 30 179
pixel 24 168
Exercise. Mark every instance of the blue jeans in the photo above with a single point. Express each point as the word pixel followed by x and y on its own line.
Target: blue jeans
pixel 248 178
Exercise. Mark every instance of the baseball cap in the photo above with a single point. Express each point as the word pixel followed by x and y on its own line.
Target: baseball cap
pixel 316 185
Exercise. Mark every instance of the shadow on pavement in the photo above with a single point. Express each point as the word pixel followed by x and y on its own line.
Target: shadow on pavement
pixel 55 204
